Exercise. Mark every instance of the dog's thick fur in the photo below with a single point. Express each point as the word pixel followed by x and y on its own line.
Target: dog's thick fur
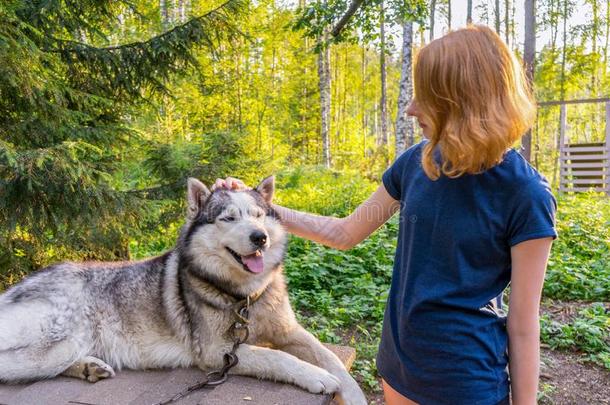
pixel 87 319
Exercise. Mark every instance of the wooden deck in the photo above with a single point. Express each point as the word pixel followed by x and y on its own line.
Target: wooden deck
pixel 150 387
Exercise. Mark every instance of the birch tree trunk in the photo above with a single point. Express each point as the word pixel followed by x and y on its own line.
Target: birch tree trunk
pixel 324 86
pixel 529 53
pixel 404 125
pixel 469 12
pixel 183 10
pixel 383 104
pixel 607 37
pixel 497 15
pixel 164 13
pixel 363 102
pixel 562 93
pixel 594 34
pixel 506 20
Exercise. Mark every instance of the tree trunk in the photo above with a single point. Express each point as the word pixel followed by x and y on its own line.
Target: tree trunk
pixel 164 13
pixel 469 12
pixel 607 36
pixel 432 10
pixel 383 139
pixel 183 9
pixel 562 92
pixel 363 102
pixel 513 31
pixel 448 15
pixel 324 86
pixel 529 54
pixel 497 15
pixel 506 21
pixel 594 34
pixel 554 25
pixel 404 125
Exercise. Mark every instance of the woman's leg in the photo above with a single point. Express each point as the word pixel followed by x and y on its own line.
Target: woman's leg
pixel 393 397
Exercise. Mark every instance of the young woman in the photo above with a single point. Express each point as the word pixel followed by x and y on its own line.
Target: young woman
pixel 474 217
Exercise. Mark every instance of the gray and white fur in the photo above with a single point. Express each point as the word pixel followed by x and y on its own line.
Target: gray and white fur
pixel 86 320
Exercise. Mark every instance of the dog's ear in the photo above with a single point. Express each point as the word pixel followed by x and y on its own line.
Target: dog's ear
pixel 196 195
pixel 266 188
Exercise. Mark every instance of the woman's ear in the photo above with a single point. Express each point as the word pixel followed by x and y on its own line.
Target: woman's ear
pixel 196 195
pixel 266 188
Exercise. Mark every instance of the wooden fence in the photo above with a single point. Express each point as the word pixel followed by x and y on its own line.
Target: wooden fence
pixel 583 166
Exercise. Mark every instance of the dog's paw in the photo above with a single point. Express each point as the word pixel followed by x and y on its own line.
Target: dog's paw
pixel 320 382
pixel 98 370
pixel 89 368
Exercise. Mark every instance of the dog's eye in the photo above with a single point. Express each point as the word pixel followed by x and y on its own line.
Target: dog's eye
pixel 228 219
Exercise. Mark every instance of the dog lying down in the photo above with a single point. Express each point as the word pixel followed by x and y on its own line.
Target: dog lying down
pixel 86 320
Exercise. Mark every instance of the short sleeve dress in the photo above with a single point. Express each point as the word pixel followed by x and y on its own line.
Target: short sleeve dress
pixel 444 339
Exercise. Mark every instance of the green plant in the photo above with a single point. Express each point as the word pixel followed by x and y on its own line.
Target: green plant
pixel 579 266
pixel 588 333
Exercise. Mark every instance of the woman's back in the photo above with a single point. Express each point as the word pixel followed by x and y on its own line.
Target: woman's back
pixel 442 332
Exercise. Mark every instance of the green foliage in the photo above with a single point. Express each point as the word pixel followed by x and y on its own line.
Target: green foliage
pixel 579 267
pixel 326 192
pixel 66 99
pixel 589 333
pixel 318 17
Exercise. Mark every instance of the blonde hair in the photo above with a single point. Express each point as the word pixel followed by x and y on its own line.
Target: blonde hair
pixel 473 93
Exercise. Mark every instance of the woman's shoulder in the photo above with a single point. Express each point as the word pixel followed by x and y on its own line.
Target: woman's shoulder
pixel 411 154
pixel 521 173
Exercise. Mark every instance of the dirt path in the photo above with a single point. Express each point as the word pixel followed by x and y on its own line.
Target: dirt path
pixel 567 381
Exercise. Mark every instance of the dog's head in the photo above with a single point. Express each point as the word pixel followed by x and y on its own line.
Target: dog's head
pixel 233 236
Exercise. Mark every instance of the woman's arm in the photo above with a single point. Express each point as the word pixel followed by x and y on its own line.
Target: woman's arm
pixel 529 260
pixel 341 233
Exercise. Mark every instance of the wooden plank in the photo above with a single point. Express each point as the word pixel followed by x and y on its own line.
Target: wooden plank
pixel 586 181
pixel 584 157
pixel 587 144
pixel 566 172
pixel 147 387
pixel 587 165
pixel 587 149
pixel 583 189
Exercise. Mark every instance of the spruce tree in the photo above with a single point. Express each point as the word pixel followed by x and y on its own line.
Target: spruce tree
pixel 66 95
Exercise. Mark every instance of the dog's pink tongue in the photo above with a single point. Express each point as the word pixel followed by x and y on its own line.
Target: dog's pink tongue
pixel 254 262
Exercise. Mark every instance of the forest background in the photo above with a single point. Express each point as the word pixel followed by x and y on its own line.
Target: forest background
pixel 106 107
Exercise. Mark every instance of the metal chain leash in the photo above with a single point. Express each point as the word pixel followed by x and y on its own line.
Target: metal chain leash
pixel 239 332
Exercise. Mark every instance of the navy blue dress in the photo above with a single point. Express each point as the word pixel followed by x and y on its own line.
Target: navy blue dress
pixel 444 340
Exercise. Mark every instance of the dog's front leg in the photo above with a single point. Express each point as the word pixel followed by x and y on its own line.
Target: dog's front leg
pixel 275 365
pixel 305 346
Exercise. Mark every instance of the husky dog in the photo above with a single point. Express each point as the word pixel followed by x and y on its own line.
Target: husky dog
pixel 85 320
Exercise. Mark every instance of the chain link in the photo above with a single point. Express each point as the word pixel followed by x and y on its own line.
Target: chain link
pixel 239 331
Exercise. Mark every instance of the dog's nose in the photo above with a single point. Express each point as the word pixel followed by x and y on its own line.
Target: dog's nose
pixel 258 238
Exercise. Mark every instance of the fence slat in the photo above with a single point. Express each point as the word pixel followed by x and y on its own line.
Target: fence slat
pixel 587 165
pixel 564 189
pixel 574 149
pixel 586 181
pixel 584 173
pixel 584 157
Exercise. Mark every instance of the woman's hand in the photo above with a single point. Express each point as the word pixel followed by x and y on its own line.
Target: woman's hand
pixel 230 183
